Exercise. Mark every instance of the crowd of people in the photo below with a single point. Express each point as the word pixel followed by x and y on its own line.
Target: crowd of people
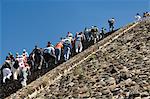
pixel 21 66
pixel 139 17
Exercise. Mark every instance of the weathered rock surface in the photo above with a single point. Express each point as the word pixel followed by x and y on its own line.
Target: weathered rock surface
pixel 120 70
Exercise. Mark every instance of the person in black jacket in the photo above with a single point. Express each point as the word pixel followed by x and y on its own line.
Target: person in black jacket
pixel 6 70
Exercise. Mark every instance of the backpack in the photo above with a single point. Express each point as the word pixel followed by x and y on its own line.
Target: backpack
pixel 37 51
pixel 95 29
pixel 16 64
pixel 67 42
pixel 111 21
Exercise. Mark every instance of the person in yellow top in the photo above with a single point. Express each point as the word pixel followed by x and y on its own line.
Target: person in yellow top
pixel 58 49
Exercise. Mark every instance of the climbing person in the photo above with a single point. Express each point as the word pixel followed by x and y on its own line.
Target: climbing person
pixel 6 70
pixel 58 50
pixel 88 37
pixel 103 32
pixel 111 24
pixel 11 56
pixel 49 49
pixel 146 15
pixel 137 17
pixel 94 30
pixel 37 57
pixel 69 34
pixel 25 53
pixel 67 48
pixel 62 39
pixel 49 55
pixel 86 33
pixel 12 59
pixel 25 69
pixel 78 42
pixel 20 60
pixel 16 67
pixel 25 60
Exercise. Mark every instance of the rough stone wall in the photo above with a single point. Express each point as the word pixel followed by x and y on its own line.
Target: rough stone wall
pixel 119 69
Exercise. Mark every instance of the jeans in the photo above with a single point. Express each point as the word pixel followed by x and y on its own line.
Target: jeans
pixel 58 54
pixel 78 46
pixel 16 72
pixel 24 76
pixel 66 52
pixel 6 74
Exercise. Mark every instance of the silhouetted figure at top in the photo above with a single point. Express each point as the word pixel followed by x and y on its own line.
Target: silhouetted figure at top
pixel 111 24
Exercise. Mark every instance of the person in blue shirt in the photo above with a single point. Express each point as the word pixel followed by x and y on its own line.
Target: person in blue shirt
pixel 67 48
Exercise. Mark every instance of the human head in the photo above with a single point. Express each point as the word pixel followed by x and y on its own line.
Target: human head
pixel 35 46
pixel 17 54
pixel 9 53
pixel 7 58
pixel 48 44
pixel 24 50
pixel 80 33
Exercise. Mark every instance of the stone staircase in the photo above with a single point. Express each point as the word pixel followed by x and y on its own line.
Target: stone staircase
pixel 117 67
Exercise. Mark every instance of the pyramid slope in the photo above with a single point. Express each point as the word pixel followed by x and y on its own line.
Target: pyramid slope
pixel 118 66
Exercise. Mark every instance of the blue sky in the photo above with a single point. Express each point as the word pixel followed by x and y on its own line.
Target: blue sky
pixel 25 23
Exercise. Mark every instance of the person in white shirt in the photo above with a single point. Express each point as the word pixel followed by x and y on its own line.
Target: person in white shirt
pixel 49 49
pixel 137 17
pixel 78 42
pixel 69 34
pixel 25 52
